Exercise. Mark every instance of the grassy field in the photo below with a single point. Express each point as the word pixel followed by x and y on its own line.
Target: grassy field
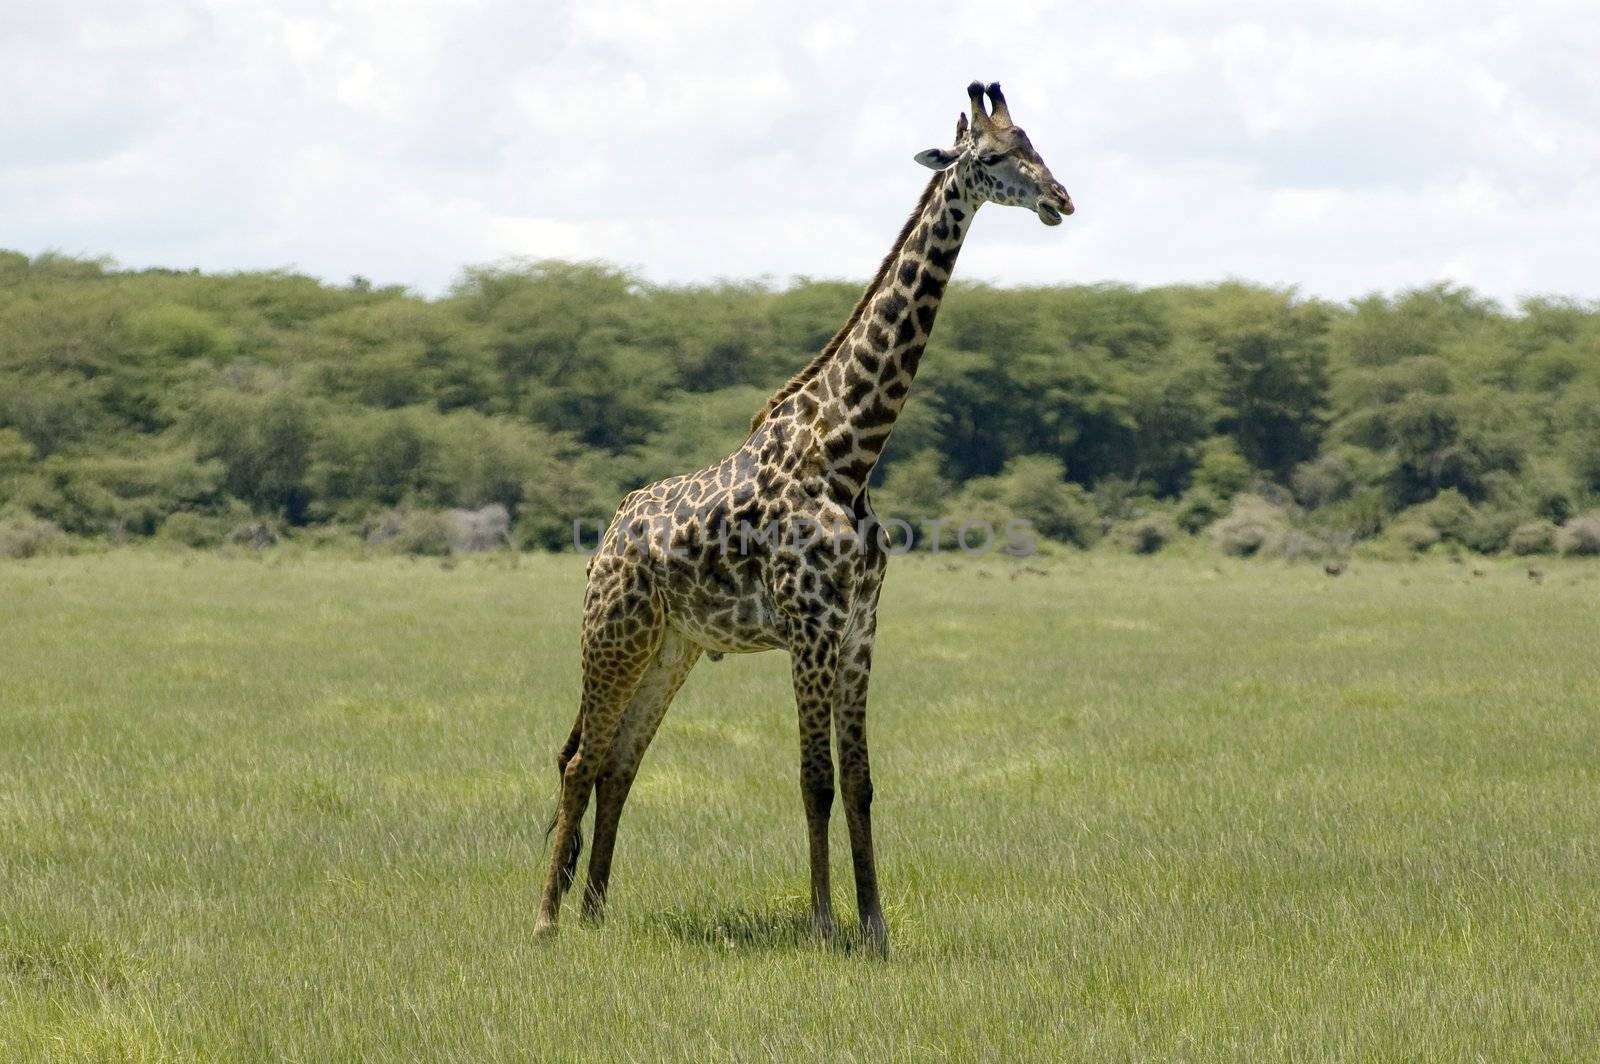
pixel 290 808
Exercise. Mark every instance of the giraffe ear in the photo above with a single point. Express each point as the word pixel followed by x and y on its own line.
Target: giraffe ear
pixel 937 158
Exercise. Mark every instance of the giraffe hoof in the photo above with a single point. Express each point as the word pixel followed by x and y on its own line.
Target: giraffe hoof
pixel 875 936
pixel 544 930
pixel 822 926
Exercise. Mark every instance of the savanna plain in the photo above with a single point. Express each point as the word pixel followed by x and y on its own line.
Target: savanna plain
pixel 289 807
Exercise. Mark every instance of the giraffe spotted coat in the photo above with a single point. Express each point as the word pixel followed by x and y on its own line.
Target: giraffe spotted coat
pixel 776 546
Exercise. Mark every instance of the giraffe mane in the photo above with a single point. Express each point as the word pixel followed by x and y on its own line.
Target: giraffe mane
pixel 809 371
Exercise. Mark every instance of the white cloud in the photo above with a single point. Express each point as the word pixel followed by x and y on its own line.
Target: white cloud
pixel 1341 147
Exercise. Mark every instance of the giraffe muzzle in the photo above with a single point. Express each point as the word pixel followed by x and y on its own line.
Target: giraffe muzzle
pixel 1051 208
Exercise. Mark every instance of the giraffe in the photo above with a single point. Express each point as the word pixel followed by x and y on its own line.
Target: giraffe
pixel 777 546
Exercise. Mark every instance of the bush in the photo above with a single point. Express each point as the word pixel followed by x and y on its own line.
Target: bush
pixel 1032 488
pixel 1488 530
pixel 176 331
pixel 1581 535
pixel 1222 469
pixel 115 494
pixel 28 537
pixel 194 530
pixel 1448 512
pixel 1328 478
pixel 477 530
pixel 257 535
pixel 1485 528
pixel 15 451
pixel 262 446
pixel 981 505
pixel 1253 526
pixel 1358 516
pixel 1148 534
pixel 409 532
pixel 1300 545
pixel 564 492
pixel 1552 491
pixel 330 536
pixel 1415 535
pixel 915 490
pixel 1533 537
pixel 1035 488
pixel 1198 508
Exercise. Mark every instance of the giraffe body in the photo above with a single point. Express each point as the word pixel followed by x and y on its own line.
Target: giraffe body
pixel 777 547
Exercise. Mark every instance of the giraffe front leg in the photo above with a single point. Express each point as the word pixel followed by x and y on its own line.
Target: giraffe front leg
pixel 814 665
pixel 855 770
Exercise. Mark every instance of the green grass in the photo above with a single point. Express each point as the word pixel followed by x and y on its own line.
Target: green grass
pixel 291 809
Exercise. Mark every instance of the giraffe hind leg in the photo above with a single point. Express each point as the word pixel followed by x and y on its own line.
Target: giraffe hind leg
pixel 569 863
pixel 651 699
pixel 620 640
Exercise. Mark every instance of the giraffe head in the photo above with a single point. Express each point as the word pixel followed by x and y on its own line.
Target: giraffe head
pixel 1001 161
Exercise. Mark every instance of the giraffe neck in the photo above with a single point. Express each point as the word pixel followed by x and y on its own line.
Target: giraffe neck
pixel 859 394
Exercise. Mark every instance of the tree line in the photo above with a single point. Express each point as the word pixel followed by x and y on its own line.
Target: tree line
pixel 160 402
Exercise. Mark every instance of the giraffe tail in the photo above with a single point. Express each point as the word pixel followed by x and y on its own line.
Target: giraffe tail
pixel 569 861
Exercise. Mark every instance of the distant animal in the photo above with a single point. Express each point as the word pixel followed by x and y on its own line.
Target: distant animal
pixel 1536 575
pixel 665 586
pixel 1333 568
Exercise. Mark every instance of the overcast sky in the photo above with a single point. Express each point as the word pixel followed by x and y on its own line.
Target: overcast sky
pixel 1341 147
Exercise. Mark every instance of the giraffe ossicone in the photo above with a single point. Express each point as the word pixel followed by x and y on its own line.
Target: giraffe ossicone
pixel 663 589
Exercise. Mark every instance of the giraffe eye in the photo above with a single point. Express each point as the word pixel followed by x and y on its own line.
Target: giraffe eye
pixel 988 158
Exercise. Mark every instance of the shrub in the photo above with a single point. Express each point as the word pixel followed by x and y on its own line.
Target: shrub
pixel 1414 534
pixel 1325 479
pixel 1198 508
pixel 1448 512
pixel 1147 534
pixel 1551 490
pixel 409 531
pixel 116 494
pixel 1581 535
pixel 335 536
pixel 1034 487
pixel 1222 469
pixel 1488 530
pixel 1485 528
pixel 177 331
pixel 27 537
pixel 257 535
pixel 1301 545
pixel 1118 499
pixel 1358 516
pixel 982 505
pixel 1253 526
pixel 15 451
pixel 1533 537
pixel 565 492
pixel 194 530
pixel 474 461
pixel 262 446
pixel 478 530
pixel 915 489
